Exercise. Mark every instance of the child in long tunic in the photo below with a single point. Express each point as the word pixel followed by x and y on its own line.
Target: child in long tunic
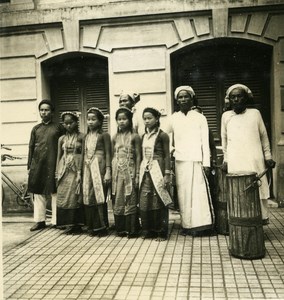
pixel 97 173
pixel 125 174
pixel 154 178
pixel 69 167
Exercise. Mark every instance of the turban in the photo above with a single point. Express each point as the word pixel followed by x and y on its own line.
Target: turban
pixel 238 86
pixel 186 88
pixel 134 97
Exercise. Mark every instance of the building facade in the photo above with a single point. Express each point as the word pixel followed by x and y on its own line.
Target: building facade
pixel 85 53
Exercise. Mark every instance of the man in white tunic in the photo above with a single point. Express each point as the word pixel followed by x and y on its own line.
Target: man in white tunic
pixel 244 140
pixel 192 161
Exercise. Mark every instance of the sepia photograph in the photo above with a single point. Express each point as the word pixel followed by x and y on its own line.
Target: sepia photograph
pixel 142 149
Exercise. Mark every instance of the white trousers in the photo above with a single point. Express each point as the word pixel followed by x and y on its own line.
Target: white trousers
pixel 40 208
pixel 264 208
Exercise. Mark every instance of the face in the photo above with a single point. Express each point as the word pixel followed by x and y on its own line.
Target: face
pixel 125 101
pixel 69 123
pixel 184 101
pixel 122 121
pixel 93 122
pixel 237 98
pixel 45 112
pixel 149 120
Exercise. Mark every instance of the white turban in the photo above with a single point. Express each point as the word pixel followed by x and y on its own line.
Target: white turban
pixel 135 97
pixel 186 88
pixel 237 86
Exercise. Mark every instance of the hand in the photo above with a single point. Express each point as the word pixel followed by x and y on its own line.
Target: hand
pixel 207 171
pixel 167 181
pixel 224 167
pixel 270 163
pixel 107 178
pixel 78 179
pixel 136 181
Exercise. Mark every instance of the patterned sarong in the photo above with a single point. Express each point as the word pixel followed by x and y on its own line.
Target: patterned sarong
pixel 92 171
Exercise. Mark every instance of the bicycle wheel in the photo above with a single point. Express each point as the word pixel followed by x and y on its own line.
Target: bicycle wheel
pixel 25 199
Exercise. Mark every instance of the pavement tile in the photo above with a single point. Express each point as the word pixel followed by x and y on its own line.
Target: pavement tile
pixel 80 267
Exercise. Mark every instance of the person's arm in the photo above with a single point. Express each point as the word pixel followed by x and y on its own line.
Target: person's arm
pixel 107 147
pixel 166 149
pixel 269 162
pixel 31 148
pixel 168 128
pixel 224 142
pixel 59 155
pixel 212 146
pixel 205 143
pixel 137 147
pixel 113 145
pixel 264 138
pixel 81 159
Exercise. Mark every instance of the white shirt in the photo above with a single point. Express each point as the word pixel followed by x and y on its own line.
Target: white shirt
pixel 245 144
pixel 244 141
pixel 191 140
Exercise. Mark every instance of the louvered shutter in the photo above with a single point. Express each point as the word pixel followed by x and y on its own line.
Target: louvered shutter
pixel 96 94
pixel 211 70
pixel 66 95
pixel 80 86
pixel 202 79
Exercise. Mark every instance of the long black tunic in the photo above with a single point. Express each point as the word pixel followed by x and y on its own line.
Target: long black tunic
pixel 42 158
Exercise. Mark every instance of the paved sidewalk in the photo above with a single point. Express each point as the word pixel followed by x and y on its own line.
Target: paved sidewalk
pixel 52 265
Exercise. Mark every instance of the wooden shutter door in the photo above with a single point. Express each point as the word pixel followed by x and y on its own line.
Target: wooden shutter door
pixel 81 84
pixel 211 69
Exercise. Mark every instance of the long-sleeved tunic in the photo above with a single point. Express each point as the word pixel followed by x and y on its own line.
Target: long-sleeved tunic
pixel 245 144
pixel 42 158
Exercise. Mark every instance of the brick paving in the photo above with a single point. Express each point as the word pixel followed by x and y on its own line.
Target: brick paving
pixel 52 265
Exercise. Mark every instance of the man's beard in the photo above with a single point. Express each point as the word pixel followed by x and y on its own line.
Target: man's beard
pixel 239 108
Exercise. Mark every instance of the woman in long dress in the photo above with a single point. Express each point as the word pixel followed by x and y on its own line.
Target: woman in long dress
pixel 154 178
pixel 125 174
pixel 69 168
pixel 97 173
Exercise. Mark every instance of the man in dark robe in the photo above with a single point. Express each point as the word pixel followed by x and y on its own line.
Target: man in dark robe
pixel 42 163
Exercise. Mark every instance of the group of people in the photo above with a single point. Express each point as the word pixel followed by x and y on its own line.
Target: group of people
pixel 79 172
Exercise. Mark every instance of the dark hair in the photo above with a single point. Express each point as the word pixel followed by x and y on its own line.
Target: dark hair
pixel 48 102
pixel 74 117
pixel 69 113
pixel 128 113
pixel 154 112
pixel 100 117
pixel 96 112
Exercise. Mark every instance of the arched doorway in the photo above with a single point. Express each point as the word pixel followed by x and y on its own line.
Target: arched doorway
pixel 77 83
pixel 210 67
